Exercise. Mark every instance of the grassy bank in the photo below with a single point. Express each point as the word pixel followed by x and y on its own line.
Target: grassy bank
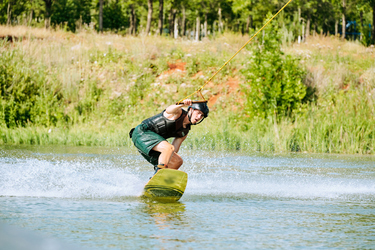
pixel 90 89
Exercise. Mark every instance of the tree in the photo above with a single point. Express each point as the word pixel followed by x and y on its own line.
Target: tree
pixel 343 19
pixel 161 17
pixel 33 10
pixel 48 13
pixel 149 16
pixel 243 8
pixel 133 20
pixel 12 9
pixel 343 6
pixel 71 13
pixel 101 16
pixel 371 5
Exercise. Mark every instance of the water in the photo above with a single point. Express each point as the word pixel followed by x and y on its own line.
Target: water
pixel 88 196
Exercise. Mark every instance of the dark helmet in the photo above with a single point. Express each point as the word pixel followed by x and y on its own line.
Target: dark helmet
pixel 202 106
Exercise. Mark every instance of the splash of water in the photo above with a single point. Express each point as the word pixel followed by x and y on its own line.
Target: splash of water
pixel 225 176
pixel 66 179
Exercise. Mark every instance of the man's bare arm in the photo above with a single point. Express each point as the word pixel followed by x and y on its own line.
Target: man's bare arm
pixel 174 111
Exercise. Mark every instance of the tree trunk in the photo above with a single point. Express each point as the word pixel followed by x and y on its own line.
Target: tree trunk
pixel 314 30
pixel 31 16
pixel 9 14
pixel 198 25
pixel 132 27
pixel 172 16
pixel 31 13
pixel 308 27
pixel 187 29
pixel 175 27
pixel 170 28
pixel 336 27
pixel 249 23
pixel 183 24
pixel 47 17
pixel 161 15
pixel 373 23
pixel 303 32
pixel 361 21
pixel 149 16
pixel 135 28
pixel 205 24
pixel 101 16
pixel 193 30
pixel 220 21
pixel 343 28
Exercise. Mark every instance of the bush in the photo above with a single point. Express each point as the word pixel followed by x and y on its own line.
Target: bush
pixel 274 81
pixel 25 95
pixel 366 35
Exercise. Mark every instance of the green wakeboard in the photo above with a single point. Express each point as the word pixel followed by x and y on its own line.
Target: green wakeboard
pixel 167 185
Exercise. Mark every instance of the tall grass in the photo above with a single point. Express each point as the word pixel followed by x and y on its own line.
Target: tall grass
pixel 92 89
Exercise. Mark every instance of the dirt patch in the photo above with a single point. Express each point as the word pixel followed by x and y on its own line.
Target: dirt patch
pixel 222 90
pixel 178 65
pixel 225 89
pixel 233 84
pixel 176 68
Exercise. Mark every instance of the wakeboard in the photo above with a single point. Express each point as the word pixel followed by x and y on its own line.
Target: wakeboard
pixel 167 185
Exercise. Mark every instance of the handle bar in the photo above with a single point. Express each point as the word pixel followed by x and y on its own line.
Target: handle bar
pixel 193 102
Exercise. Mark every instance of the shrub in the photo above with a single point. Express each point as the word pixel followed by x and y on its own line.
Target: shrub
pixel 25 95
pixel 274 81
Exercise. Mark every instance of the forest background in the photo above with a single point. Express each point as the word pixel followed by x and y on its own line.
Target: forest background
pixel 82 72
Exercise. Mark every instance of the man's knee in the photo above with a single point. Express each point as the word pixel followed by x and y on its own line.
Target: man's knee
pixel 164 147
pixel 171 148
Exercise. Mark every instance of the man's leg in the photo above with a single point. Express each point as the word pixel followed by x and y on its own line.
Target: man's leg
pixel 166 150
pixel 175 161
pixel 167 155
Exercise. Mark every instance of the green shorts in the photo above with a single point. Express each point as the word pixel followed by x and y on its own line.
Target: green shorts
pixel 144 140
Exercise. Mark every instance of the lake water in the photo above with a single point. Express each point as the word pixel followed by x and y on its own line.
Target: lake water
pixel 88 197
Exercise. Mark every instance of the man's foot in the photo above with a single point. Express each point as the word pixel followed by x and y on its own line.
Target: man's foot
pixel 156 168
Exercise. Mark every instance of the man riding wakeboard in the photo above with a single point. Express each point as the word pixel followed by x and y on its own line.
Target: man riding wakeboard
pixel 150 137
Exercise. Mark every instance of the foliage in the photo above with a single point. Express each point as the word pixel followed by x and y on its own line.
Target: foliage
pixel 238 16
pixel 25 97
pixel 90 89
pixel 71 12
pixel 366 37
pixel 274 81
pixel 114 18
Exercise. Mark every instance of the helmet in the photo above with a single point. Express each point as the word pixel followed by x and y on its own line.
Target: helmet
pixel 202 106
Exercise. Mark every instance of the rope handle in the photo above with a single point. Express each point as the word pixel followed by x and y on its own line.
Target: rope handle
pixel 178 103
